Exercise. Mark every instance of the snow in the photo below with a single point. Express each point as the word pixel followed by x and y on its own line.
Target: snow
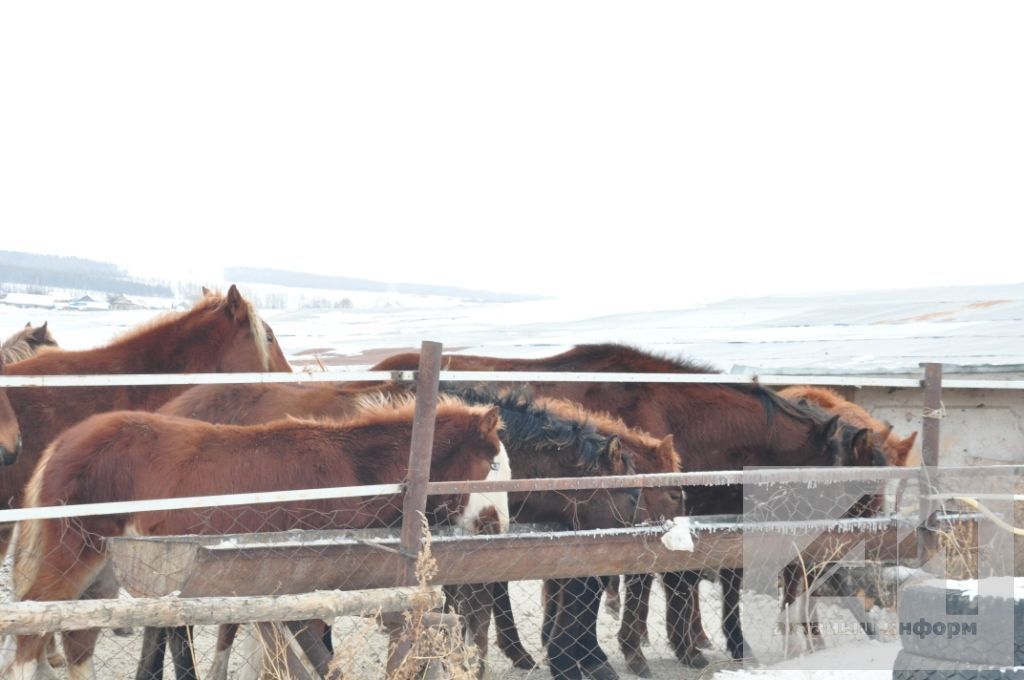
pixel 860 661
pixel 852 333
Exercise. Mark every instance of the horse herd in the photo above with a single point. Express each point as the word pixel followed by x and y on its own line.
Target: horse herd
pixel 74 445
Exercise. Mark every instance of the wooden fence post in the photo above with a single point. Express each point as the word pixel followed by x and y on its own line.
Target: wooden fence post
pixel 415 503
pixel 930 431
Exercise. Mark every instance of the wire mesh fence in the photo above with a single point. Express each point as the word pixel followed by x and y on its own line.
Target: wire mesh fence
pixel 674 610
pixel 599 578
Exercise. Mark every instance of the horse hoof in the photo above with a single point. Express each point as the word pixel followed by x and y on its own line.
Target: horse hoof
pixel 56 661
pixel 638 666
pixel 602 671
pixel 695 659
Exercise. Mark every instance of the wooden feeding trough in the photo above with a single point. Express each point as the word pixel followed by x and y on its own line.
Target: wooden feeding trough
pixel 305 561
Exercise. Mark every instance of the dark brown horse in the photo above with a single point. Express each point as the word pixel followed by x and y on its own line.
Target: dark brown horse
pixel 26 343
pixel 219 334
pixel 551 438
pixel 872 442
pixel 719 426
pixel 131 455
pixel 650 456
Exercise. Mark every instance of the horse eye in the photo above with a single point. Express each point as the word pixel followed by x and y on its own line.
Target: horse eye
pixel 495 466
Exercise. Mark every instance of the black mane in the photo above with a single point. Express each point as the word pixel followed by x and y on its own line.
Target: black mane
pixel 533 426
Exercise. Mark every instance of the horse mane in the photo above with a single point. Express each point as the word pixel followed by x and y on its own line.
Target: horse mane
pixel 208 303
pixel 377 406
pixel 606 422
pixel 634 360
pixel 529 423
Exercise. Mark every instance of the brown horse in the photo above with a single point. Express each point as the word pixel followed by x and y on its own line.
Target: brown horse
pixel 10 433
pixel 219 334
pixel 26 343
pixel 650 456
pixel 872 435
pixel 253 404
pixel 897 450
pixel 719 426
pixel 131 455
pixel 550 438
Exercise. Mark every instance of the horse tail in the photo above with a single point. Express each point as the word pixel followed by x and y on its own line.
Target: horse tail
pixel 30 537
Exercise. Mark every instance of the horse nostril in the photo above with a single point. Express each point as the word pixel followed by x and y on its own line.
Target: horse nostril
pixel 17 446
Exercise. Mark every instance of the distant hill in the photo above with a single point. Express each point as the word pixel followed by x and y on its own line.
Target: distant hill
pixel 289 279
pixel 74 273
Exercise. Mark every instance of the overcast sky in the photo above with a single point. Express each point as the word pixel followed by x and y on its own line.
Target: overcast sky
pixel 664 150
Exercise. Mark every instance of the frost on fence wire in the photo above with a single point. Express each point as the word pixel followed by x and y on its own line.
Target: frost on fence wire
pixel 794 539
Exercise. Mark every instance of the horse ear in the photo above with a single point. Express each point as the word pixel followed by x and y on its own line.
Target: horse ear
pixel 667 451
pixel 207 292
pixel 904 447
pixel 27 324
pixel 236 307
pixel 39 334
pixel 489 421
pixel 614 449
pixel 861 437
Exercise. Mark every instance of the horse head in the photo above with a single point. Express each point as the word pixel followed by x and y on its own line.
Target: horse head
pixel 250 345
pixel 39 337
pixel 10 433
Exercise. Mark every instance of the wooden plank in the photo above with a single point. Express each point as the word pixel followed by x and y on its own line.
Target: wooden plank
pixel 930 429
pixel 414 505
pixel 32 618
pixel 237 569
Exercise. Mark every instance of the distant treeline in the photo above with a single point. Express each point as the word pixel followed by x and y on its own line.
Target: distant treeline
pixel 75 273
pixel 300 280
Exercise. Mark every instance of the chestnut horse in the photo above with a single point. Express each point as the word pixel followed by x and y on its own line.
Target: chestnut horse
pixel 540 441
pixel 132 455
pixel 253 404
pixel 26 343
pixel 897 450
pixel 219 334
pixel 719 426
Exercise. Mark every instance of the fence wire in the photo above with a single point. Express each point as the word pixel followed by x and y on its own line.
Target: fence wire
pixel 665 623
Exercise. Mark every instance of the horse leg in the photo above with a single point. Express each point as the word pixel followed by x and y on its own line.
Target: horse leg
pixel 151 663
pixel 612 601
pixel 593 659
pixel 732 581
pixel 225 638
pixel 681 593
pixel 79 645
pixel 559 634
pixel 505 630
pixel 309 636
pixel 475 605
pixel 180 639
pixel 634 622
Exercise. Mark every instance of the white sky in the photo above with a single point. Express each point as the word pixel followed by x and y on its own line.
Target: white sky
pixel 664 150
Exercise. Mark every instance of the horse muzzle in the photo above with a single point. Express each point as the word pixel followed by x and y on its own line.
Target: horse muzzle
pixel 8 457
